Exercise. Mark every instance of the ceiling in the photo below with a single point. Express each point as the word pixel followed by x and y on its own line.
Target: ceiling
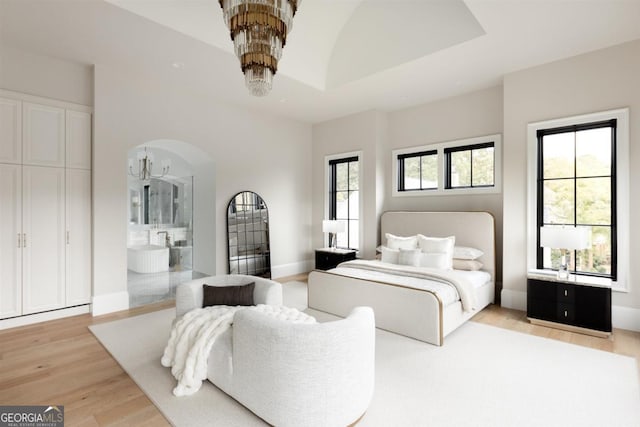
pixel 341 57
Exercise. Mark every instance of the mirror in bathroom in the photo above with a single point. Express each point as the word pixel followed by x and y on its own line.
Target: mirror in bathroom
pixel 248 235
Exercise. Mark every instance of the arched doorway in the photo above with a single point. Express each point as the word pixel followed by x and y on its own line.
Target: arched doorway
pixel 170 218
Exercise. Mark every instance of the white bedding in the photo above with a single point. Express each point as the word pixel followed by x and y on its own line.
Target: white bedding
pixel 446 292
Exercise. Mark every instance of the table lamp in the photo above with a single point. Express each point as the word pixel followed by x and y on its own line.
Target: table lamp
pixel 333 227
pixel 564 238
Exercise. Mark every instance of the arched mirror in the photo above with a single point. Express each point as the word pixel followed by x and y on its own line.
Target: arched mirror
pixel 248 235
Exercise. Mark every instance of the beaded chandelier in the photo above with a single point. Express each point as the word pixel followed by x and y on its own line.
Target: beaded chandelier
pixel 259 32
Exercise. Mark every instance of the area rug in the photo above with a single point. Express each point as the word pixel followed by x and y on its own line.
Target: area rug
pixel 482 376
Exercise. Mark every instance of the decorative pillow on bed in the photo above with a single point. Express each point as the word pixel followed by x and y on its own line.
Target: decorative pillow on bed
pixel 399 242
pixel 227 295
pixel 439 260
pixel 466 264
pixel 441 247
pixel 464 252
pixel 409 257
pixel 389 255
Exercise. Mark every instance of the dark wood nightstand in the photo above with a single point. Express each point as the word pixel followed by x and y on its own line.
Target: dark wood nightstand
pixel 327 258
pixel 570 305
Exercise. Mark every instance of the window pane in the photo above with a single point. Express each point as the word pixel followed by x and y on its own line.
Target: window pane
pixel 354 204
pixel 429 171
pixel 412 173
pixel 354 234
pixel 593 152
pixel 342 211
pixel 596 259
pixel 551 258
pixel 483 166
pixel 341 240
pixel 593 202
pixel 353 175
pixel 342 175
pixel 558 202
pixel 558 152
pixel 461 169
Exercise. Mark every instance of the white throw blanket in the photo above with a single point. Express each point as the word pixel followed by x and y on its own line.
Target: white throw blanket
pixel 450 277
pixel 192 337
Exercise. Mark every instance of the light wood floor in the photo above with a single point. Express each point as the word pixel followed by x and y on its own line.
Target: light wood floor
pixel 60 362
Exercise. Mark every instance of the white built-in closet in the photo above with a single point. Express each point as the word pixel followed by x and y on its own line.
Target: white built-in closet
pixel 45 204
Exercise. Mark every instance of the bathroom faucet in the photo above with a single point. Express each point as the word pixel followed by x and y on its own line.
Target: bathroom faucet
pixel 167 240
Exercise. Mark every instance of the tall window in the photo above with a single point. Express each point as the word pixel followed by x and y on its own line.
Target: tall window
pixel 418 171
pixel 576 186
pixel 344 199
pixel 470 166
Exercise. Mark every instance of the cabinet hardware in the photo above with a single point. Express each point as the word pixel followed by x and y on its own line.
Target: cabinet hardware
pixel 67 237
pixel 565 313
pixel 565 292
pixel 19 241
pixel 24 240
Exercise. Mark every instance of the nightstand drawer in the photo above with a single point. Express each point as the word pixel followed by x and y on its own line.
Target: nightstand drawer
pixel 566 313
pixel 566 293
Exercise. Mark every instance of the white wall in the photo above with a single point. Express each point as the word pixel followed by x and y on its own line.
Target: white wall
pixel 603 80
pixel 45 76
pixel 251 151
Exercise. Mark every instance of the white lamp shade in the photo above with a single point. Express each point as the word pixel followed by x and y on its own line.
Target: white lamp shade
pixel 572 238
pixel 332 226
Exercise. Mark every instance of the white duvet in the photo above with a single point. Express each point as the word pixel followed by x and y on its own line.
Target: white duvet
pixel 192 337
pixel 449 285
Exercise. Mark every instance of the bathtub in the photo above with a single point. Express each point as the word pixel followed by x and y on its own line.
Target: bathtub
pixel 148 258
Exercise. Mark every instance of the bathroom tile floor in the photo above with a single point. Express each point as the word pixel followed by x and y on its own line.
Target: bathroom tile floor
pixel 154 287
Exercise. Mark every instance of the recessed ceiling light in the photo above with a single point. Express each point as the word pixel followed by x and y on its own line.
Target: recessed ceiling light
pixel 177 65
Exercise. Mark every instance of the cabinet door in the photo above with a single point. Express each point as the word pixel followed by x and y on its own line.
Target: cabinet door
pixel 42 135
pixel 10 241
pixel 78 139
pixel 78 238
pixel 10 131
pixel 43 225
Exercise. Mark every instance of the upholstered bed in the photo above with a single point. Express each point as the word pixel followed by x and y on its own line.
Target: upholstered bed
pixel 406 306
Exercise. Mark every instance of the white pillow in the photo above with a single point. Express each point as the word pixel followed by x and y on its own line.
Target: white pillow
pixel 466 264
pixel 389 255
pixel 464 252
pixel 399 242
pixel 439 260
pixel 409 257
pixel 438 245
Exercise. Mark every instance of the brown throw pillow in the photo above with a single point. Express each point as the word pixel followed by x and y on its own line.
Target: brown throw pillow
pixel 228 295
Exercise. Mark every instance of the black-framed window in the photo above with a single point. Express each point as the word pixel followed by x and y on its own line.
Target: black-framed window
pixel 576 186
pixel 344 199
pixel 418 171
pixel 470 166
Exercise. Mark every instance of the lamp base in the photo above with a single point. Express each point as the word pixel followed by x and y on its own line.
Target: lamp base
pixel 563 270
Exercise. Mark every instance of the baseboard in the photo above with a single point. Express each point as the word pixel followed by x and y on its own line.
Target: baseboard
pixel 516 300
pixel 292 269
pixel 108 303
pixel 43 317
pixel 625 318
